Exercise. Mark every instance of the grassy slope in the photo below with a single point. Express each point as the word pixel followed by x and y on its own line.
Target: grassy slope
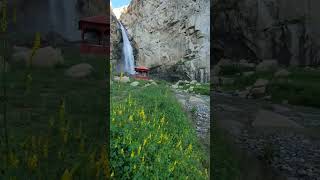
pixel 29 114
pixel 156 158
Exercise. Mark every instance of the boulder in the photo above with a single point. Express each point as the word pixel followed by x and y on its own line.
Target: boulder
pixel 267 66
pixel 124 79
pixel 80 70
pixel 47 57
pixel 227 81
pixel 249 73
pixel 258 91
pixel 282 73
pixel 244 93
pixel 174 86
pixel 193 82
pixel 261 83
pixel 134 84
pixel 244 63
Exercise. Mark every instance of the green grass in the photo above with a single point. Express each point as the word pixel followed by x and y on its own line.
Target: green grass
pixel 226 164
pixel 30 114
pixel 201 88
pixel 151 136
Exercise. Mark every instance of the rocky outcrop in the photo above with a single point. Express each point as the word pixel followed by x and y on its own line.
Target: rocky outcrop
pixel 172 37
pixel 285 30
pixel 115 39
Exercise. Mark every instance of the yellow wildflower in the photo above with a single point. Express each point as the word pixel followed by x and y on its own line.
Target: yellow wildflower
pixel 66 175
pixel 144 142
pixel 13 160
pixel 162 120
pixel 132 154
pixel 130 118
pixel 33 162
pixel 139 150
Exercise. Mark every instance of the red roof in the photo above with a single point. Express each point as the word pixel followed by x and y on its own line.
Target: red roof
pixel 97 19
pixel 141 68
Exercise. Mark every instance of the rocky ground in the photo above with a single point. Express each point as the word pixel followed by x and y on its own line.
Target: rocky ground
pixel 199 107
pixel 286 136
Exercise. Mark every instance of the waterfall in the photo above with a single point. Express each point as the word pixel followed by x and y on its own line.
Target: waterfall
pixel 127 52
pixel 64 19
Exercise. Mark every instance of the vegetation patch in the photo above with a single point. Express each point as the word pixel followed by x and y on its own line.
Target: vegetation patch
pixel 56 124
pixel 151 136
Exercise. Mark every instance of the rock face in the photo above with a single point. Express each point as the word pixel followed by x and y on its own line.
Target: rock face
pixel 172 37
pixel 115 39
pixel 286 30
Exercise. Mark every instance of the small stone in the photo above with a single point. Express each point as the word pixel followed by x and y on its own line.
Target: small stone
pixel 261 83
pixel 249 73
pixel 174 86
pixel 282 73
pixel 193 82
pixel 134 84
pixel 79 71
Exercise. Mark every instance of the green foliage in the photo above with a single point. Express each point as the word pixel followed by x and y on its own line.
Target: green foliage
pixel 151 136
pixel 203 89
pixel 226 165
pixel 49 138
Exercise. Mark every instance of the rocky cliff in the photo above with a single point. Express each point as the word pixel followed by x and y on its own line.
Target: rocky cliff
pixel 115 40
pixel 171 37
pixel 285 30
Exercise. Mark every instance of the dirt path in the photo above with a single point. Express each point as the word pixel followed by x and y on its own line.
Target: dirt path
pixel 285 136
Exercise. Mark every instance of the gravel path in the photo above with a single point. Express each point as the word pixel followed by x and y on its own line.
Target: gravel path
pixel 286 136
pixel 199 106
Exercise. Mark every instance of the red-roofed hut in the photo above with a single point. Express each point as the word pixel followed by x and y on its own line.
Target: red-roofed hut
pixel 141 73
pixel 95 35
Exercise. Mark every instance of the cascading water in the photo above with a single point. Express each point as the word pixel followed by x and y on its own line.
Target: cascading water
pixel 127 52
pixel 63 17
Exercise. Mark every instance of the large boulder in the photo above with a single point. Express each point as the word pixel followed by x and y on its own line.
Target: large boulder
pixel 282 73
pixel 80 70
pixel 46 57
pixel 267 66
